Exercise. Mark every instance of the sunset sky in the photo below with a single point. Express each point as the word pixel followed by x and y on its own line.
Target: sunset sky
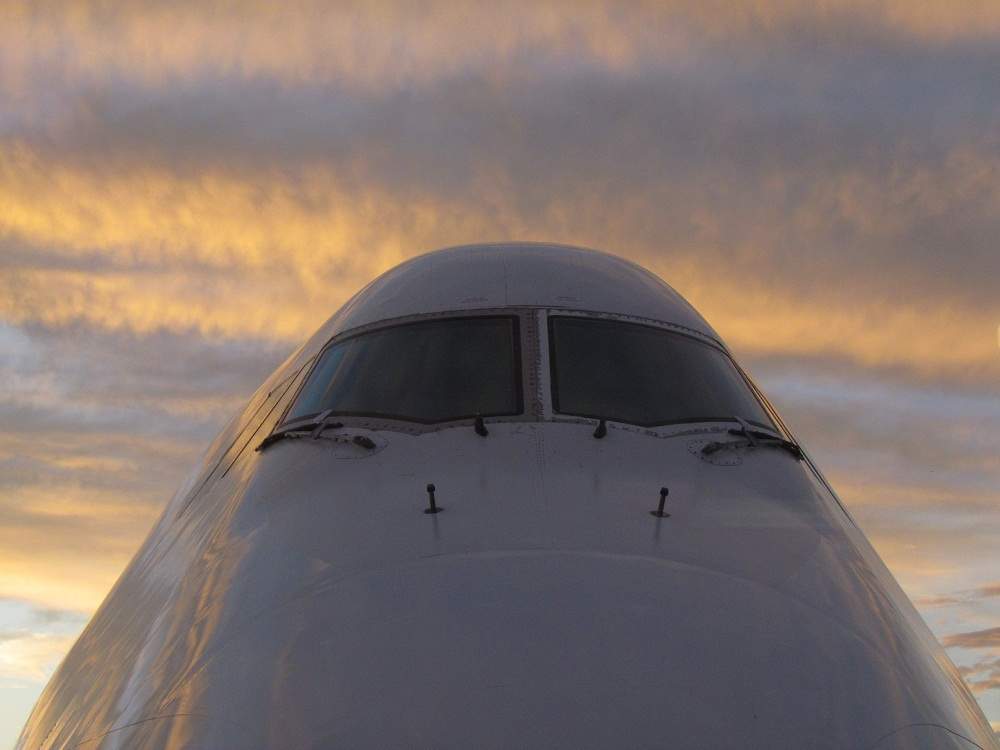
pixel 188 189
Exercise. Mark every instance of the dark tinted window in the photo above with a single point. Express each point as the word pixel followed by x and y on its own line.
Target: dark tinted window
pixel 432 371
pixel 643 375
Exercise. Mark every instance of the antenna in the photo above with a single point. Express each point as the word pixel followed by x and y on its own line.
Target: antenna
pixel 432 504
pixel 659 512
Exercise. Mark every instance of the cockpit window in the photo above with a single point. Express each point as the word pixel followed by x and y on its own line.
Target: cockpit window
pixel 642 375
pixel 429 371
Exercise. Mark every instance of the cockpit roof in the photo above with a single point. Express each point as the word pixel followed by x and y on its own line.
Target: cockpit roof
pixel 515 274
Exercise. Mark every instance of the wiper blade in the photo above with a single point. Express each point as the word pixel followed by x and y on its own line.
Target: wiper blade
pixel 314 427
pixel 753 438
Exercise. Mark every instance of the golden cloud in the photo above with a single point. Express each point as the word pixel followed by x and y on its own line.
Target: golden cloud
pixel 68 543
pixel 766 320
pixel 933 539
pixel 271 255
pixel 928 341
pixel 900 495
pixel 145 213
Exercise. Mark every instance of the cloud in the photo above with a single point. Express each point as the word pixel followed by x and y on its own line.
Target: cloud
pixel 936 601
pixel 389 44
pixel 267 245
pixel 989 591
pixel 63 545
pixel 754 171
pixel 849 168
pixel 32 640
pixel 95 434
pixel 161 374
pixel 933 539
pixel 983 675
pixel 30 657
pixel 988 638
pixel 864 424
pixel 972 596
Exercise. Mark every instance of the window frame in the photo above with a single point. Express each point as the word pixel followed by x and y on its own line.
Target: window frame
pixel 552 318
pixel 517 361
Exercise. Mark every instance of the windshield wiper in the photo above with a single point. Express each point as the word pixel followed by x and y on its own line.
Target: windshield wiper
pixel 314 427
pixel 753 438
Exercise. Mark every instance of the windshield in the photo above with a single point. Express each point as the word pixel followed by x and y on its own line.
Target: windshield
pixel 643 375
pixel 432 371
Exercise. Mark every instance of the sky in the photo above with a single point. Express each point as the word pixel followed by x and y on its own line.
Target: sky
pixel 188 189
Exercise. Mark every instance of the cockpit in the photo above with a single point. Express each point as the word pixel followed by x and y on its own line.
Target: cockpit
pixel 526 364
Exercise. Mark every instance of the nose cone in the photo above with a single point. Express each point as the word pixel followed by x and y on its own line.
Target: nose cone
pixel 556 649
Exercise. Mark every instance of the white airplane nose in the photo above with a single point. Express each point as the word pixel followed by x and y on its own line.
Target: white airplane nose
pixel 542 649
pixel 297 593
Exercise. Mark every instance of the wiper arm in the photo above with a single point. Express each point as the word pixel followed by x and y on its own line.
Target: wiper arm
pixel 315 427
pixel 753 438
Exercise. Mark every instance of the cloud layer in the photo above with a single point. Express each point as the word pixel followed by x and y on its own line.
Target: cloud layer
pixel 189 189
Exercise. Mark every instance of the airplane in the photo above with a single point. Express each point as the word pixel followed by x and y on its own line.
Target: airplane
pixel 510 495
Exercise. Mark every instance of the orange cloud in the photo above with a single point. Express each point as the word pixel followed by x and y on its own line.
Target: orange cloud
pixel 68 543
pixel 272 254
pixel 145 213
pixel 757 319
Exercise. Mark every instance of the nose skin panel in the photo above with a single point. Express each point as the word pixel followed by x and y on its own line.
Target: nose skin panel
pixel 540 649
pixel 332 611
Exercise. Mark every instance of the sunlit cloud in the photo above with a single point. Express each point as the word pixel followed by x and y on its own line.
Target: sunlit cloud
pixel 30 657
pixel 222 245
pixel 33 640
pixel 63 545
